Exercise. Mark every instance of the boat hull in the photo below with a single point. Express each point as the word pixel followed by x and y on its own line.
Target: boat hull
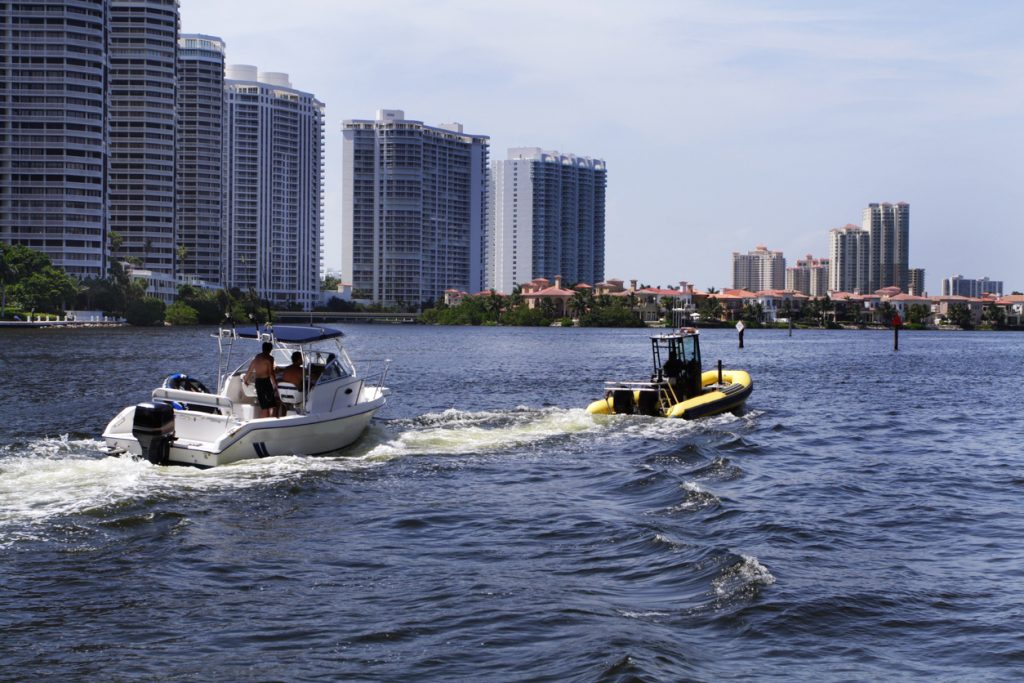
pixel 713 400
pixel 205 440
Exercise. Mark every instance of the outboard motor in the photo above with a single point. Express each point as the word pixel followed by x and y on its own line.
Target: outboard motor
pixel 622 401
pixel 648 403
pixel 153 427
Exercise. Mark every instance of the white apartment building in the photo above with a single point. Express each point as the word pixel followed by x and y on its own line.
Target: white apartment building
pixel 413 209
pixel 758 270
pixel 958 285
pixel 275 138
pixel 547 219
pixel 52 131
pixel 143 46
pixel 849 250
pixel 200 159
pixel 809 276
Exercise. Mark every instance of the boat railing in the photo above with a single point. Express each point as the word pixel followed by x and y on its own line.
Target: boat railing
pixel 638 385
pixel 377 373
pixel 193 398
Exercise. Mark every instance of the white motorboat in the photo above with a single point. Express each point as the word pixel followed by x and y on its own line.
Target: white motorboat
pixel 187 425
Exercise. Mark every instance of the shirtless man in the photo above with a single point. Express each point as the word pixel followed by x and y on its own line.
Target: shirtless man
pixel 293 373
pixel 262 369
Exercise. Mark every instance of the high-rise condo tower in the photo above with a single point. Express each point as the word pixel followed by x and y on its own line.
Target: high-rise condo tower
pixel 274 187
pixel 889 227
pixel 200 163
pixel 849 250
pixel 143 50
pixel 413 209
pixel 547 219
pixel 53 103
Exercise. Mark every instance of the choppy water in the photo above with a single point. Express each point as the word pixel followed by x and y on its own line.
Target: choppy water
pixel 862 520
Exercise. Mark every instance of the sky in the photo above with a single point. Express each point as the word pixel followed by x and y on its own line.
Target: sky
pixel 725 124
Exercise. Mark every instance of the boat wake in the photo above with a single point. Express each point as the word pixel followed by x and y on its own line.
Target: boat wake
pixel 55 477
pixel 458 432
pixel 52 478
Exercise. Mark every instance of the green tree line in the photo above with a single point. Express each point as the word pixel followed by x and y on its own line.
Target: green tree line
pixel 497 309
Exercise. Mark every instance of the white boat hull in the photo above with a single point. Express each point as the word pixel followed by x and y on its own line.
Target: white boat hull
pixel 328 408
pixel 257 438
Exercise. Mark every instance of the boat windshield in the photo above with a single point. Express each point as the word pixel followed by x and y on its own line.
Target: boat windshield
pixel 684 348
pixel 325 366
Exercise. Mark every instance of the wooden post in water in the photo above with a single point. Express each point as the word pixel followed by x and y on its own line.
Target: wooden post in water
pixel 739 328
pixel 896 322
pixel 791 325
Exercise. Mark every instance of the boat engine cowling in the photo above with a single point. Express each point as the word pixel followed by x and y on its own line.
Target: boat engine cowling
pixel 153 428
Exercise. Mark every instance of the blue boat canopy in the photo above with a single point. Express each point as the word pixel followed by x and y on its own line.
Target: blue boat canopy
pixel 291 334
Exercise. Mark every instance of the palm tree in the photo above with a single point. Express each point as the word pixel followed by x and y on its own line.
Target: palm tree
pixel 8 276
pixel 667 304
pixel 886 312
pixel 547 307
pixel 710 309
pixel 995 316
pixel 515 299
pixel 492 304
pixel 579 304
pixel 182 252
pixel 712 290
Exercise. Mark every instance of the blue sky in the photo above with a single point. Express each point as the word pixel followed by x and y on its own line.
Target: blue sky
pixel 725 123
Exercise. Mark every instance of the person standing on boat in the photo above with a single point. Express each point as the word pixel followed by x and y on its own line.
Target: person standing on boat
pixel 262 369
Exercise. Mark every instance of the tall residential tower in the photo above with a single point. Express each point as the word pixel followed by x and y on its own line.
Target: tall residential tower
pixel 413 209
pixel 143 50
pixel 758 270
pixel 53 104
pixel 849 250
pixel 809 276
pixel 275 138
pixel 889 227
pixel 200 159
pixel 547 219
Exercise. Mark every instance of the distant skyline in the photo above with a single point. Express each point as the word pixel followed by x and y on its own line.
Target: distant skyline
pixel 724 124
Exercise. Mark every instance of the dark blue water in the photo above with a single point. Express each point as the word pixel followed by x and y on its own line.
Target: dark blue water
pixel 862 520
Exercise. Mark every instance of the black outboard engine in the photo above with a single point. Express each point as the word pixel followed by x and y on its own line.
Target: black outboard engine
pixel 153 427
pixel 622 401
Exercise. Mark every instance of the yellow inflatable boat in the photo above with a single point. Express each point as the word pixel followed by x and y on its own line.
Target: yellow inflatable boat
pixel 678 387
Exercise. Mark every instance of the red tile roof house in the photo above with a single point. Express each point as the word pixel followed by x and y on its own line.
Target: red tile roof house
pixel 903 302
pixel 453 297
pixel 733 301
pixel 539 289
pixel 976 306
pixel 772 301
pixel 648 302
pixel 1013 305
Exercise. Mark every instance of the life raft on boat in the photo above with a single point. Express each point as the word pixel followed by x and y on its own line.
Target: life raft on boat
pixel 678 387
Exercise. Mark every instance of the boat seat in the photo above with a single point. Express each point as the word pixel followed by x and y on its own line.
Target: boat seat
pixel 289 393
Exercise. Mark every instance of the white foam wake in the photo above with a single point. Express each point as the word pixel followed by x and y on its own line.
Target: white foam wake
pixel 453 432
pixel 50 478
pixel 742 578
